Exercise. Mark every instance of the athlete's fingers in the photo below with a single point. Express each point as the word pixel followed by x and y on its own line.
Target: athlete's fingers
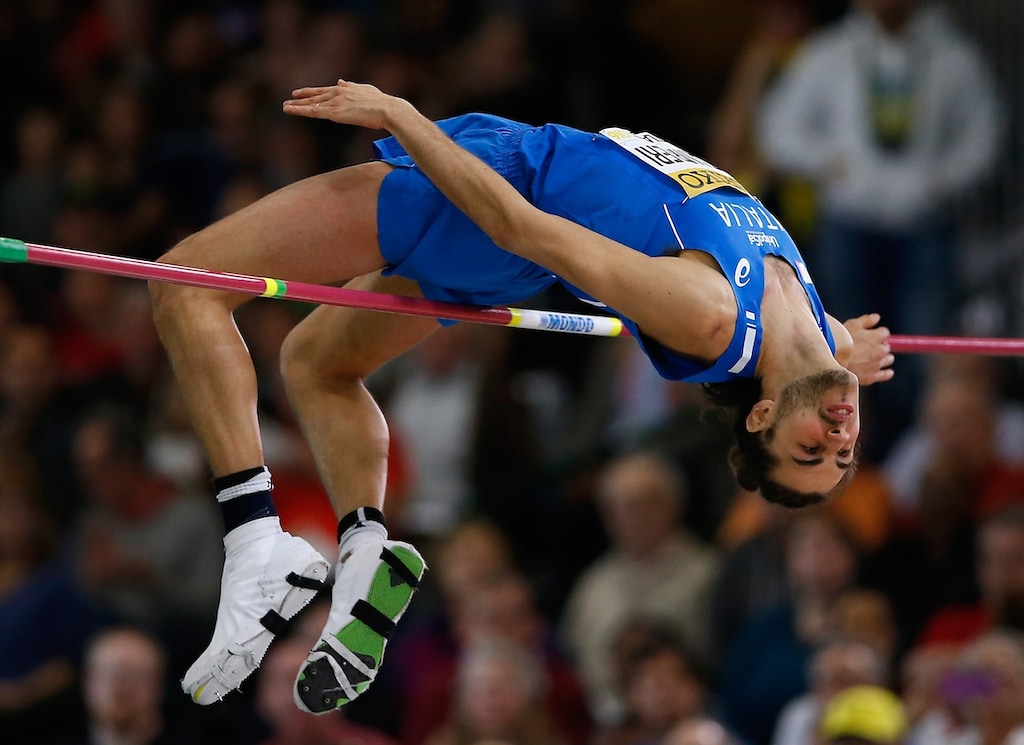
pixel 320 98
pixel 309 91
pixel 312 106
pixel 871 323
pixel 301 108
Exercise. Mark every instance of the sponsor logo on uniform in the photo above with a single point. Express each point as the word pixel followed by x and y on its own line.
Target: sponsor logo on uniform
pixel 761 239
pixel 742 274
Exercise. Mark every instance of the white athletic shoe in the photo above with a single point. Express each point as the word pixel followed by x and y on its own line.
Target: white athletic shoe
pixel 269 576
pixel 372 588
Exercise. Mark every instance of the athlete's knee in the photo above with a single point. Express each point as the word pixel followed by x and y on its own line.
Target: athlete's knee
pixel 167 298
pixel 294 363
pixel 173 304
pixel 302 366
pixel 310 361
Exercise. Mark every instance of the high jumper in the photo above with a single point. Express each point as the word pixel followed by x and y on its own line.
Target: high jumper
pixel 485 211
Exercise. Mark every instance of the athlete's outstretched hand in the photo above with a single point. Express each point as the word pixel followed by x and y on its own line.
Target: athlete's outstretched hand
pixel 871 359
pixel 345 103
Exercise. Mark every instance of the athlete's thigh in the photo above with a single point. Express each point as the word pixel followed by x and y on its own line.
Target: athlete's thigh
pixel 351 342
pixel 322 229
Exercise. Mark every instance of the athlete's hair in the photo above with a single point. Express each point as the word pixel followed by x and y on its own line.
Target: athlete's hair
pixel 749 457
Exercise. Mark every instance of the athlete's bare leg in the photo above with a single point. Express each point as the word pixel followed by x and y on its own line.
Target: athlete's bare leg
pixel 325 361
pixel 320 230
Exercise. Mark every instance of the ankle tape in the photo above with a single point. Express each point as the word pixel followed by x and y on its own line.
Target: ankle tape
pixel 244 496
pixel 359 517
pixel 249 481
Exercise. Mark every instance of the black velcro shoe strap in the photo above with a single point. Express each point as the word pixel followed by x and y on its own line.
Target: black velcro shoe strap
pixel 352 673
pixel 273 622
pixel 306 583
pixel 404 573
pixel 373 619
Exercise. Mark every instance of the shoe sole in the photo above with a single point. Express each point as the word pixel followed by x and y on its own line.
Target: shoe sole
pixel 242 659
pixel 317 689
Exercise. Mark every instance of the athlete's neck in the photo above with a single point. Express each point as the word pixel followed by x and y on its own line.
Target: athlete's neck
pixel 793 345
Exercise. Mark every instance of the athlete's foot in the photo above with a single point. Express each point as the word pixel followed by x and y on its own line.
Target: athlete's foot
pixel 372 588
pixel 269 576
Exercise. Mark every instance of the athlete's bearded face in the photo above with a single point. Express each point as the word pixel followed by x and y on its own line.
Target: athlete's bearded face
pixel 812 431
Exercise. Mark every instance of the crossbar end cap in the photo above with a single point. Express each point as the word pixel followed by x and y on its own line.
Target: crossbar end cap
pixel 13 250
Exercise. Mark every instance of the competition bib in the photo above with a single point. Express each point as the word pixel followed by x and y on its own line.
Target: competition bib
pixel 696 176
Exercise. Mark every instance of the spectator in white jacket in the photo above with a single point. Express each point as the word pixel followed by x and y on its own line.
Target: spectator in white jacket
pixel 894 116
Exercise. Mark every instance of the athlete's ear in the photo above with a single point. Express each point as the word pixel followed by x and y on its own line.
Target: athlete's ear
pixel 760 415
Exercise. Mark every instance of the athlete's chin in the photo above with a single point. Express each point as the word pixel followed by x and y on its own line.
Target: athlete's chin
pixel 846 379
pixel 837 383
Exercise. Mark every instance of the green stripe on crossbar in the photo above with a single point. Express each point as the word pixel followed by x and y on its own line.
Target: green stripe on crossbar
pixel 12 250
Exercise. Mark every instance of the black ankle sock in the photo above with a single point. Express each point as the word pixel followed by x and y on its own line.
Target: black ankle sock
pixel 358 516
pixel 245 507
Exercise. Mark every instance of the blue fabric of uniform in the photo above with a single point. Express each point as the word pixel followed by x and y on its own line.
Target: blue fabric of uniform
pixel 591 180
pixel 425 237
pixel 740 233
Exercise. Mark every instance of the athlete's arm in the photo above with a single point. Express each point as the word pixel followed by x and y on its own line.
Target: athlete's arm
pixel 681 303
pixel 862 347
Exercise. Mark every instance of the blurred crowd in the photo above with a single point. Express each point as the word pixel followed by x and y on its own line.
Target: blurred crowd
pixel 597 576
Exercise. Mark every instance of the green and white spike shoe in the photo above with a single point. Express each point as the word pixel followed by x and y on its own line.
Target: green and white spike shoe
pixel 372 589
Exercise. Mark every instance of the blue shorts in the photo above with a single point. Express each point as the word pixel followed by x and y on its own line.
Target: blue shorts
pixel 424 237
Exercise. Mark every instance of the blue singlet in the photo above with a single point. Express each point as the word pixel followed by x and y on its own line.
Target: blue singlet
pixel 596 182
